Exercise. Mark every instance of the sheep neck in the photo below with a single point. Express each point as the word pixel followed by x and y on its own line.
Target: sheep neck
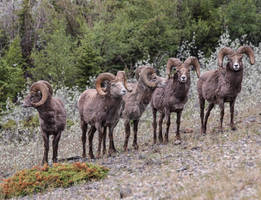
pixel 143 94
pixel 233 79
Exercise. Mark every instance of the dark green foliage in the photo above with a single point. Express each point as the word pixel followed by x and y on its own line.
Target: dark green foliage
pixel 11 73
pixel 70 42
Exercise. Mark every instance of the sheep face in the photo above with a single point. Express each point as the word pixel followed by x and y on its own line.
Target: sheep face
pixel 117 89
pixel 31 98
pixel 235 62
pixel 183 74
pixel 158 81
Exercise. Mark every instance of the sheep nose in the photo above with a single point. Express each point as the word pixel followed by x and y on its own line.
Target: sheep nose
pixel 123 92
pixel 236 65
pixel 183 77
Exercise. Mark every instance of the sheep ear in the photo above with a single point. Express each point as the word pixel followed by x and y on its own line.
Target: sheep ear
pixel 172 63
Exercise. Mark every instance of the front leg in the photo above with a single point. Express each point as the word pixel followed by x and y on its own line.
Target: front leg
pixel 100 130
pixel 127 134
pixel 135 130
pixel 104 140
pixel 90 138
pixel 162 115
pixel 232 105
pixel 56 140
pixel 166 139
pixel 112 148
pixel 178 139
pixel 46 148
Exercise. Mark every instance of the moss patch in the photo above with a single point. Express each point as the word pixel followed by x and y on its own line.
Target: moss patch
pixel 39 179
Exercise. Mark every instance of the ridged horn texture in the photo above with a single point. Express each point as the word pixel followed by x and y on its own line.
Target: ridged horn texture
pixel 222 53
pixel 138 71
pixel 172 62
pixel 48 85
pixel 144 75
pixel 122 77
pixel 248 51
pixel 194 62
pixel 43 88
pixel 103 77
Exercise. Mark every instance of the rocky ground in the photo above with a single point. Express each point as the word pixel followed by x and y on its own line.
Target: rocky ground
pixel 216 166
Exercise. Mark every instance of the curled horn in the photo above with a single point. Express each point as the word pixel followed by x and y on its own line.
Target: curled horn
pixel 103 77
pixel 248 51
pixel 40 86
pixel 222 53
pixel 122 77
pixel 172 62
pixel 193 61
pixel 48 85
pixel 138 71
pixel 146 71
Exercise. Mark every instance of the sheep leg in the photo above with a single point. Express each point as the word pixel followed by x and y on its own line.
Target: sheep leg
pixel 221 106
pixel 112 148
pixel 84 127
pixel 100 132
pixel 210 107
pixel 178 139
pixel 232 125
pixel 46 148
pixel 135 130
pixel 166 139
pixel 162 115
pixel 56 140
pixel 90 138
pixel 104 140
pixel 127 134
pixel 154 124
pixel 202 106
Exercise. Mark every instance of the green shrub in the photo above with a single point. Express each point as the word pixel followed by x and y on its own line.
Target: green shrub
pixel 39 179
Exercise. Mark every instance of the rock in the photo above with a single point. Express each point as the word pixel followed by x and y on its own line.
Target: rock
pixel 125 192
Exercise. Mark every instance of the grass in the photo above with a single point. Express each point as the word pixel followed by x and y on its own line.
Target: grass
pixel 39 179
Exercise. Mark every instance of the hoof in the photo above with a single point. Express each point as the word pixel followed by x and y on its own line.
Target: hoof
pixel 233 128
pixel 166 142
pixel 135 146
pixel 91 156
pixel 177 142
pixel 112 151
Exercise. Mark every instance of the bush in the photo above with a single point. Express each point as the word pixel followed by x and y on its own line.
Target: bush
pixel 38 179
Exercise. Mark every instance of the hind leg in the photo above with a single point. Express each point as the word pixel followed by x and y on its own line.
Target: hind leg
pixel 135 130
pixel 202 106
pixel 154 125
pixel 210 107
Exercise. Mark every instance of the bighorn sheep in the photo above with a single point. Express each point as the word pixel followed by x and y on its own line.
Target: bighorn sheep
pixel 52 114
pixel 137 100
pixel 173 96
pixel 101 108
pixel 223 85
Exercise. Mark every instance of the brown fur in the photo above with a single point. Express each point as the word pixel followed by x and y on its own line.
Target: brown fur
pixel 101 111
pixel 172 97
pixel 52 116
pixel 222 85
pixel 136 103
